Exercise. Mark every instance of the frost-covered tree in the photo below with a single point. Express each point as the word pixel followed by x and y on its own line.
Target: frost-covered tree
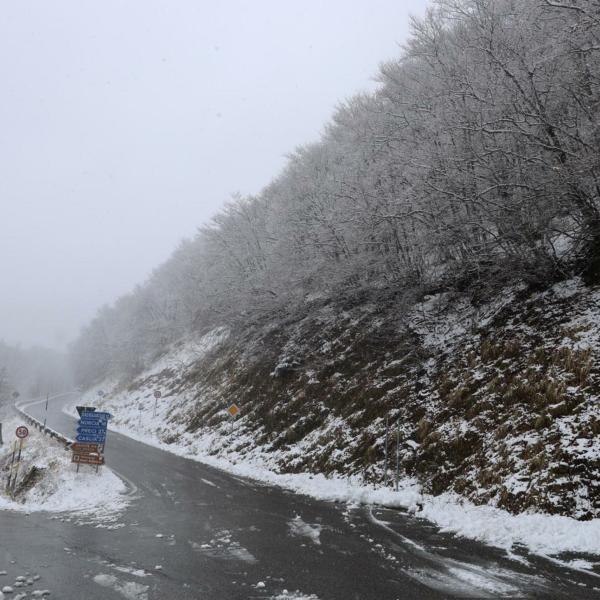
pixel 476 160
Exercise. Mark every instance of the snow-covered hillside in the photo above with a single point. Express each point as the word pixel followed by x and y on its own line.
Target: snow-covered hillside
pixel 496 404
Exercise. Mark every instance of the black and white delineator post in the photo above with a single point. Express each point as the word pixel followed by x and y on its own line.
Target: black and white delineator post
pixel 385 466
pixel 397 453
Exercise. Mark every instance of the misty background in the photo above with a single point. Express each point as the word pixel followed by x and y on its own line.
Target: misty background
pixel 125 126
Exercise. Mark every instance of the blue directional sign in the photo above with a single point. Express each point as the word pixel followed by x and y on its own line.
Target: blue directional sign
pixel 95 416
pixel 92 423
pixel 91 435
pixel 92 427
pixel 88 427
pixel 90 430
pixel 92 439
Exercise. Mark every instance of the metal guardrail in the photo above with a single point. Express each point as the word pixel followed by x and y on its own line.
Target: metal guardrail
pixel 44 428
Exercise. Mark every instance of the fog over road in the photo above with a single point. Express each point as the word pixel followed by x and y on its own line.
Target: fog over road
pixel 217 536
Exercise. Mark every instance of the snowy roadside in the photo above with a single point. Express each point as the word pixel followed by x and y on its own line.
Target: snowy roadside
pixel 542 534
pixel 53 484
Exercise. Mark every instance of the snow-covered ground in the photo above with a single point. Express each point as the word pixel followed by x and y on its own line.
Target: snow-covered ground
pixel 57 487
pixel 540 533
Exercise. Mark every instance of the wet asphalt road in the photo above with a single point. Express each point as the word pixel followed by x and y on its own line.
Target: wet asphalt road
pixel 224 537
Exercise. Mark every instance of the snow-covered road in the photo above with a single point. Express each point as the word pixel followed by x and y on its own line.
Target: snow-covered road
pixel 192 531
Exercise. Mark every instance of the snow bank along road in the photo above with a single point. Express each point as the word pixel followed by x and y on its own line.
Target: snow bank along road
pixel 193 532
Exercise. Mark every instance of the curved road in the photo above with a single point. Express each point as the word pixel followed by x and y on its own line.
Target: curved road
pixel 217 536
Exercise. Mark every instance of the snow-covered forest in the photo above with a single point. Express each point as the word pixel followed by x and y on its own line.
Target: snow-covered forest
pixel 475 164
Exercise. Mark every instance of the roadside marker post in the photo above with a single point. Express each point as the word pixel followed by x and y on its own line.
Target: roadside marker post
pixel 157 395
pixel 234 411
pixel 385 465
pixel 397 453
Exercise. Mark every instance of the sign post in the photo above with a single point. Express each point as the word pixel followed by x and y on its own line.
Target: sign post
pixel 397 454
pixel 21 432
pixel 91 437
pixel 233 411
pixel 10 469
pixel 82 409
pixel 157 395
pixel 385 465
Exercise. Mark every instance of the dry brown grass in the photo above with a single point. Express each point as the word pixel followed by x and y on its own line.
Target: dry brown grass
pixel 445 384
pixel 489 351
pixel 543 421
pixel 532 450
pixel 471 359
pixel 502 431
pixel 576 362
pixel 423 428
pixel 512 348
pixel 538 462
pixel 489 477
pixel 433 438
pixel 459 398
pixel 553 392
pixel 573 332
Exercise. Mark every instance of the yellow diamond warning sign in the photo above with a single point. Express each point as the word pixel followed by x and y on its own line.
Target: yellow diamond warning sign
pixel 233 410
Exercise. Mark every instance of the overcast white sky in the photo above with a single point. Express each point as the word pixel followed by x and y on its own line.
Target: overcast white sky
pixel 126 124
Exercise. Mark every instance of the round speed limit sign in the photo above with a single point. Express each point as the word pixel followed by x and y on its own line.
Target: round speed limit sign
pixel 22 432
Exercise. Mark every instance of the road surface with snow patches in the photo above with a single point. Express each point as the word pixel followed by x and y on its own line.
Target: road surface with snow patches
pixel 194 532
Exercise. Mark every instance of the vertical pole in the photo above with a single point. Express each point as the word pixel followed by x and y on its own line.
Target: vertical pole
pixel 1 442
pixel 155 404
pixel 12 462
pixel 101 448
pixel 14 481
pixel 385 468
pixel 46 415
pixel 397 453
